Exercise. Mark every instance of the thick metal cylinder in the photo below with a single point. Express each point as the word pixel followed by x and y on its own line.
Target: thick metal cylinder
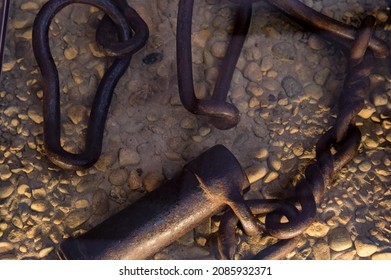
pixel 166 214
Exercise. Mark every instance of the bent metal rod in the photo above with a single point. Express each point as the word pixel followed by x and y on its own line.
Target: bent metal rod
pixel 132 33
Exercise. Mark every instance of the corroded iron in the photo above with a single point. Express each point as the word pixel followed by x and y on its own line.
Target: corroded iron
pixel 344 137
pixel 51 99
pixel 222 114
pixel 215 179
pixel 206 185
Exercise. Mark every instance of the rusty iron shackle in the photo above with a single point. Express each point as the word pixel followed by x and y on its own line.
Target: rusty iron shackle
pixel 99 109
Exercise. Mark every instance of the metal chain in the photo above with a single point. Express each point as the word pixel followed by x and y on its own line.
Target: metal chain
pixel 344 137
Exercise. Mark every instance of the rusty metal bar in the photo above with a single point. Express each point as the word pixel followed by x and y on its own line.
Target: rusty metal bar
pixel 206 185
pixel 328 27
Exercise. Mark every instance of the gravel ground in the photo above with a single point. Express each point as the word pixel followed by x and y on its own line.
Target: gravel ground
pixel 285 85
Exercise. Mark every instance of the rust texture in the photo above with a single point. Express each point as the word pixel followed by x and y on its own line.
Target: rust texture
pixel 215 179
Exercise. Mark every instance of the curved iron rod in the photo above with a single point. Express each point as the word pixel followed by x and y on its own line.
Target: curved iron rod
pixel 51 99
pixel 222 114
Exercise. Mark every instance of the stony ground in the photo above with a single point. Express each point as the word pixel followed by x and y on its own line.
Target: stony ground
pixel 285 85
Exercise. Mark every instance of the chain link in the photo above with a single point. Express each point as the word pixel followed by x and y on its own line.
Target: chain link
pixel 344 137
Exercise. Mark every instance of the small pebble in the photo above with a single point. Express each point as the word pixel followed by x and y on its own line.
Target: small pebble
pixel 291 86
pixel 188 123
pixel 204 131
pixel 100 202
pixel 256 172
pixel 35 114
pixel 284 51
pixel 315 42
pixel 6 190
pixel 118 194
pixel 380 99
pixel 81 203
pixel 317 229
pixel 314 91
pixel 271 32
pixel 118 177
pixel 321 76
pixel 262 153
pixel 153 58
pixel 22 20
pixel 253 72
pixel 219 49
pixel 370 143
pixel 71 52
pixel 339 239
pixel 271 177
pixel 274 163
pixel 365 166
pixel 76 218
pixel 134 180
pixel 77 113
pixel 44 252
pixel 128 157
pixel 200 38
pixel 381 256
pixel 255 89
pixel 270 84
pixel 152 180
pixel 267 63
pixel 17 222
pixel 366 112
pixel 364 247
pixel 253 102
pixel 104 162
pixel 298 149
pixel 321 250
pixel 5 247
pixel 38 206
pixel 29 6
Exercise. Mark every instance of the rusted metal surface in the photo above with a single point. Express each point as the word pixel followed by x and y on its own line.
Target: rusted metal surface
pixel 124 24
pixel 222 114
pixel 206 185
